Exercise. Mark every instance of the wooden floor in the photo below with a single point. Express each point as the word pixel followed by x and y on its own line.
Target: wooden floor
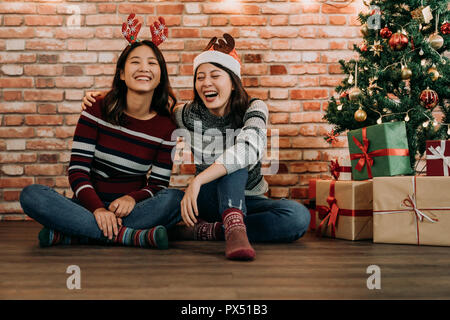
pixel 310 268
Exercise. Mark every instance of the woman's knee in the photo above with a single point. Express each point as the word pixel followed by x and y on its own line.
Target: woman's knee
pixel 29 194
pixel 239 176
pixel 297 218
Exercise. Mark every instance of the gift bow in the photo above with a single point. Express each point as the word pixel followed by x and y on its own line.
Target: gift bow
pixel 410 202
pixel 331 212
pixel 367 157
pixel 439 153
pixel 336 169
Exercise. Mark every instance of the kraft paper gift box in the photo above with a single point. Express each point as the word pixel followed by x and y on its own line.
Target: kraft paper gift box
pixel 411 210
pixel 344 209
pixel 438 157
pixel 379 150
pixel 312 203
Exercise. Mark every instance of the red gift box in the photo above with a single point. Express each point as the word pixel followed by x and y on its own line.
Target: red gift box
pixel 438 157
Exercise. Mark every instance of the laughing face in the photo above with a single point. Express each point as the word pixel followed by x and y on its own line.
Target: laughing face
pixel 214 87
pixel 141 72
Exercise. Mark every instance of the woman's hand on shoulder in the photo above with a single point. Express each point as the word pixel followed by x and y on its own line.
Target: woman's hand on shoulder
pixel 89 99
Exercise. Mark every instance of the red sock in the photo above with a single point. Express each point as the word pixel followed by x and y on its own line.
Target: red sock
pixel 237 246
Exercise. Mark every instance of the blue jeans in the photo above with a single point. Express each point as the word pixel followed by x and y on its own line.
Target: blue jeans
pixel 68 216
pixel 266 220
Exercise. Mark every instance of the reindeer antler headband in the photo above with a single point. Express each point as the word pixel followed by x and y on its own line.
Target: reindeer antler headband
pixel 222 53
pixel 131 28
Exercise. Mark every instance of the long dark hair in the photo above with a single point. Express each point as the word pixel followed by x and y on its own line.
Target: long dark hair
pixel 115 101
pixel 239 98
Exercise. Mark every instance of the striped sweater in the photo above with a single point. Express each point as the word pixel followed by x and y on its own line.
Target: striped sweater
pixel 212 140
pixel 109 161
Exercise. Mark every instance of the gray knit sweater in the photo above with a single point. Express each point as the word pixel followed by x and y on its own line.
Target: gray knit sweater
pixel 212 139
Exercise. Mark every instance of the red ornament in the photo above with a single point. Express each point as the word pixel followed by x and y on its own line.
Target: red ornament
pixel 445 28
pixel 363 47
pixel 398 41
pixel 429 98
pixel 344 95
pixel 385 33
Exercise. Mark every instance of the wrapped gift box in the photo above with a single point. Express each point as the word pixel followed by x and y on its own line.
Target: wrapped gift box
pixel 438 157
pixel 379 150
pixel 344 209
pixel 312 203
pixel 411 210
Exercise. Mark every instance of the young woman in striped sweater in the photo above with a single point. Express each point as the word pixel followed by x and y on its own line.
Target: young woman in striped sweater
pixel 117 141
pixel 227 135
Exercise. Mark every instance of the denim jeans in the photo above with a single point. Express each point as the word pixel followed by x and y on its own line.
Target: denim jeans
pixel 68 216
pixel 266 220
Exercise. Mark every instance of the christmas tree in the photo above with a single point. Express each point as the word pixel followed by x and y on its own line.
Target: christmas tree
pixel 402 73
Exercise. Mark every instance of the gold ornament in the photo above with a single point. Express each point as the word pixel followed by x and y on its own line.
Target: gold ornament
pixel 365 30
pixel 433 73
pixel 406 73
pixel 376 47
pixel 354 94
pixel 436 41
pixel 360 115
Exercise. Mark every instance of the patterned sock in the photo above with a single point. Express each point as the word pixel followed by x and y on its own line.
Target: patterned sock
pixel 237 246
pixel 155 237
pixel 201 231
pixel 49 237
pixel 208 231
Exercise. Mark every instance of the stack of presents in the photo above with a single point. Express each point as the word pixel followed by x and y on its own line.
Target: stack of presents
pixel 379 197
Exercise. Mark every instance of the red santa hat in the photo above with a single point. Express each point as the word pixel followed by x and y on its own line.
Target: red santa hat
pixel 222 53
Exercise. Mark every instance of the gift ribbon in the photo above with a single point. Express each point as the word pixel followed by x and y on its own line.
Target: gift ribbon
pixel 336 169
pixel 439 153
pixel 410 203
pixel 367 157
pixel 332 211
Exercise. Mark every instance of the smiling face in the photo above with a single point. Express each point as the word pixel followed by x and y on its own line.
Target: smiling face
pixel 214 87
pixel 141 72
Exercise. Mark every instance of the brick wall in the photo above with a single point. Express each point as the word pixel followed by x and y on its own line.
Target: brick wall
pixel 289 51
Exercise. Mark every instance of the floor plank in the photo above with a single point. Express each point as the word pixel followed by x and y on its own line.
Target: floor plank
pixel 309 268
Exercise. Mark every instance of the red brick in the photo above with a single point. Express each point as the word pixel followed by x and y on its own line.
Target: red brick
pixel 248 21
pixel 17 132
pixel 170 9
pixel 278 69
pixel 144 8
pixel 338 20
pixel 44 95
pixel 185 33
pixel 13 120
pixel 328 8
pixel 41 20
pixel 44 120
pixel 43 169
pixel 12 95
pixel 279 118
pixel 309 94
pixel 299 193
pixel 11 195
pixel 282 179
pixel 311 106
pixel 16 182
pixel 16 82
pixel 279 192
